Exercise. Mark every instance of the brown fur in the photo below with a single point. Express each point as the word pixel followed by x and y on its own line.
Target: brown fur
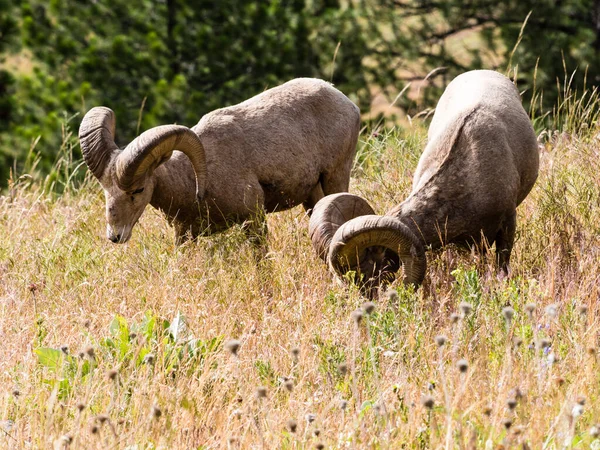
pixel 289 145
pixel 480 163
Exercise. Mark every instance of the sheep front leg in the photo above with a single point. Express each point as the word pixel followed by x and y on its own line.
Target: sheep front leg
pixel 504 241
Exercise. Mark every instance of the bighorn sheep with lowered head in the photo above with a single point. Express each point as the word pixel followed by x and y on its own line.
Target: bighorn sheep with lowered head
pixel 291 144
pixel 480 162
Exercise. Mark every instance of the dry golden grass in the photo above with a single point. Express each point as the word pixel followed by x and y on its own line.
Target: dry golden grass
pixel 143 327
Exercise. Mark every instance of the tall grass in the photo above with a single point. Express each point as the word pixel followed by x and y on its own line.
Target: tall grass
pixel 124 346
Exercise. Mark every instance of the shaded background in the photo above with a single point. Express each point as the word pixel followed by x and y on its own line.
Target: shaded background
pixel 168 61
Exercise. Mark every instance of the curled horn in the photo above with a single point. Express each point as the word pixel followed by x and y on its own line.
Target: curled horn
pixel 329 214
pixel 154 146
pixel 375 247
pixel 97 139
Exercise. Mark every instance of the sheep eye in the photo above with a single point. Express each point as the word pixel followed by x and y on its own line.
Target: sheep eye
pixel 138 191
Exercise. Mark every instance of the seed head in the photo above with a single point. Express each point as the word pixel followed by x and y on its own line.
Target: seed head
pixel 232 440
pixel 80 406
pixel 16 393
pixel 559 381
pixel 581 400
pixel 591 350
pixel 529 309
pixel 232 346
pixel 343 368
pixel 102 418
pixel 507 423
pixel 577 410
pixel 310 418
pixel 64 349
pixel 454 317
pixel 369 307
pixel 440 340
pixel 545 343
pixel 295 353
pixel 237 413
pixel 511 403
pixel 261 392
pixel 289 385
pixel 149 358
pixel 462 365
pixel 583 309
pixel 67 439
pixel 156 412
pixel 552 310
pixel 427 401
pixel 343 405
pixel 392 295
pixel 87 323
pixel 487 411
pixel 90 351
pixel 357 316
pixel 292 425
pixel 112 375
pixel 508 313
pixel 319 446
pixel 517 342
pixel 317 432
pixel 132 336
pixel 465 308
pixel 595 431
pixel 94 429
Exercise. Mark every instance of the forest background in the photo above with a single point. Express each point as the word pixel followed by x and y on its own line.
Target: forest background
pixel 172 61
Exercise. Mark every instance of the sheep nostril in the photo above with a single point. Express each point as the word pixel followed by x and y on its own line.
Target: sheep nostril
pixel 115 238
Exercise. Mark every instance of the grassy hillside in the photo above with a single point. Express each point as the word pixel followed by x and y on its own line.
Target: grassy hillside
pixel 124 346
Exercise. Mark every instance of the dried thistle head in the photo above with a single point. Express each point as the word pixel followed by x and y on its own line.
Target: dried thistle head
pixel 455 317
pixel 156 412
pixel 357 316
pixel 392 295
pixel 530 309
pixel 368 307
pixel 343 368
pixel 261 392
pixel 552 310
pixel 465 308
pixel 441 340
pixel 112 374
pixel 428 401
pixel 295 351
pixel 463 365
pixel 292 425
pixel 289 385
pixel 310 417
pixel 511 403
pixel 583 309
pixel 80 406
pixel 232 346
pixel 90 351
pixel 508 313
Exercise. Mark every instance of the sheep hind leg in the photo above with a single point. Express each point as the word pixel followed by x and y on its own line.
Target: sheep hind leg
pixel 505 239
pixel 315 195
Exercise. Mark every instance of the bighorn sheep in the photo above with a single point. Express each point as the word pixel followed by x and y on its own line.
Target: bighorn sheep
pixel 480 162
pixel 290 144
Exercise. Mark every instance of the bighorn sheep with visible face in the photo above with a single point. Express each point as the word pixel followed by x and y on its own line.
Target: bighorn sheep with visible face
pixel 480 162
pixel 288 145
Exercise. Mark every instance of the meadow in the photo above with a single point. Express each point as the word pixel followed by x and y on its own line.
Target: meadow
pixel 207 346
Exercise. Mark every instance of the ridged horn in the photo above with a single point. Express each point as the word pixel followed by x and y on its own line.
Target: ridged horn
pixel 97 138
pixel 329 214
pixel 152 147
pixel 375 247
